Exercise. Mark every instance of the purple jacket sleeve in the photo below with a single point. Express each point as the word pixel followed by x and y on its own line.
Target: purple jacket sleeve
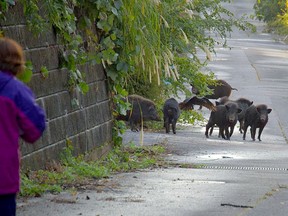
pixel 31 117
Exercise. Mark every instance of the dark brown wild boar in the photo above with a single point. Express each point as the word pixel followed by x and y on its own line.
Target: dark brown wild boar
pixel 221 89
pixel 243 104
pixel 171 110
pixel 224 117
pixel 256 117
pixel 171 113
pixel 142 109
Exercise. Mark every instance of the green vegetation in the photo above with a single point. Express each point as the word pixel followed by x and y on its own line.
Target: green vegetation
pixel 268 10
pixel 148 47
pixel 73 171
pixel 4 5
pixel 190 117
pixel 162 40
pixel 141 44
pixel 275 14
pixel 187 165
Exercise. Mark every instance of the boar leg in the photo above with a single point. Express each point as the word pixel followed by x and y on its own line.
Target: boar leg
pixel 206 132
pixel 241 126
pixel 208 126
pixel 227 134
pixel 259 133
pixel 211 130
pixel 221 131
pixel 174 126
pixel 133 126
pixel 167 125
pixel 244 131
pixel 231 130
pixel 253 132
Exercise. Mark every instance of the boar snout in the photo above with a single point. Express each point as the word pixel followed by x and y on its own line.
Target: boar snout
pixel 232 119
pixel 263 119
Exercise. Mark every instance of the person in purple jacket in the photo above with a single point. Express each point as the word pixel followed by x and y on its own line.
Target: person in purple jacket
pixel 20 116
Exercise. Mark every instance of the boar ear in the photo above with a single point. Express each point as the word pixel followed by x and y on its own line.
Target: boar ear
pixel 269 110
pixel 251 103
pixel 239 110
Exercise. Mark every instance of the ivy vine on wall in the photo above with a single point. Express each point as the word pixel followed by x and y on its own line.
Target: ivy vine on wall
pixel 86 31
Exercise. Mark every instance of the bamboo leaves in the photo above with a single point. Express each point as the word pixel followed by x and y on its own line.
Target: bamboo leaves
pixel 157 32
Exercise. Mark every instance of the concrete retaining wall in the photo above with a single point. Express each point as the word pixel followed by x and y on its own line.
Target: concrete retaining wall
pixel 87 125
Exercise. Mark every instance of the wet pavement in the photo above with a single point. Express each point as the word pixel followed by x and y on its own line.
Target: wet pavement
pixel 230 178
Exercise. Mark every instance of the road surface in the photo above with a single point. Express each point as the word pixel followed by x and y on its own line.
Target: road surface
pixel 230 177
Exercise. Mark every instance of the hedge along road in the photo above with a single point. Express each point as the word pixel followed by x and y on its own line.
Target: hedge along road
pixel 233 177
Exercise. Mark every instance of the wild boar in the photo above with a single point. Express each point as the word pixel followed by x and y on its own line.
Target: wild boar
pixel 224 117
pixel 142 109
pixel 171 110
pixel 221 89
pixel 171 113
pixel 256 117
pixel 243 104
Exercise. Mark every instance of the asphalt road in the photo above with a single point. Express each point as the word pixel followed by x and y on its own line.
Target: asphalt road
pixel 236 177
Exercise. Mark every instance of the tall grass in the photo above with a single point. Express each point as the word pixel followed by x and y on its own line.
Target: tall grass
pixel 141 33
pixel 157 32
